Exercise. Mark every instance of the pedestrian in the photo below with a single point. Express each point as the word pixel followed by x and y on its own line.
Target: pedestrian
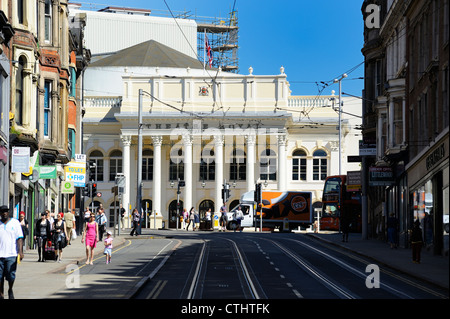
pixel 416 242
pixel 428 229
pixel 69 219
pixel 136 218
pixel 208 219
pixel 185 218
pixel 108 246
pixel 238 216
pixel 122 216
pixel 392 227
pixel 59 236
pixel 197 220
pixel 191 219
pixel 345 225
pixel 90 236
pixel 11 250
pixel 24 224
pixel 42 234
pixel 101 222
pixel 50 218
pixel 223 218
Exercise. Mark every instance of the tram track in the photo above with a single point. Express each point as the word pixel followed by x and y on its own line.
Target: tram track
pixel 314 272
pixel 223 272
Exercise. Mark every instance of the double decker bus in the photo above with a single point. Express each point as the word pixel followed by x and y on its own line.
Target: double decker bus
pixel 338 202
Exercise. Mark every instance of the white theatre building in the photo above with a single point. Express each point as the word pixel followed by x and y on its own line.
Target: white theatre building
pixel 203 127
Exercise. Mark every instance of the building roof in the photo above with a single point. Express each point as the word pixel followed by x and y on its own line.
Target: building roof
pixel 149 54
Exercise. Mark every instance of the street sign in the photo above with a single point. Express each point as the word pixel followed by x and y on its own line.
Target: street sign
pixel 381 176
pixel 354 181
pixel 67 187
pixel 98 194
pixel 367 149
pixel 80 158
pixel 76 172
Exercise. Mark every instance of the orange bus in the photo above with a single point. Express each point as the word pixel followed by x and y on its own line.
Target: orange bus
pixel 338 202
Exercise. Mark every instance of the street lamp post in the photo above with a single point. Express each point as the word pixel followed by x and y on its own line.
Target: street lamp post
pixel 340 114
pixel 139 163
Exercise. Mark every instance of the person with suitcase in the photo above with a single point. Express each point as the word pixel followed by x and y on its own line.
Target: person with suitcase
pixel 42 233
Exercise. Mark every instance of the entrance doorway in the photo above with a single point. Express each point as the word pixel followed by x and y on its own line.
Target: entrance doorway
pixel 173 213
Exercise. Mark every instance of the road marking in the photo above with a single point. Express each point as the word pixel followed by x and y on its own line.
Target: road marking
pixel 100 257
pixel 157 290
pixel 299 295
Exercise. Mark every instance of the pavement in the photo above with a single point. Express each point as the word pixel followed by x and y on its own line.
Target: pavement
pixel 50 279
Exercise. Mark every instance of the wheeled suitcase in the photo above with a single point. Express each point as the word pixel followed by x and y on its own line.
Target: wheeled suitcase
pixel 49 251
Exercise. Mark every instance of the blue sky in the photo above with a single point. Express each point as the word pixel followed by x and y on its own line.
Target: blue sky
pixel 315 41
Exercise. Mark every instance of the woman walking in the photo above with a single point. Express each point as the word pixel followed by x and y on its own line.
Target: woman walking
pixel 136 218
pixel 90 235
pixel 191 219
pixel 60 236
pixel 43 233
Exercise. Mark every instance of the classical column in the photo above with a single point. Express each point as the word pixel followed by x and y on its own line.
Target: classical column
pixel 187 142
pixel 126 141
pixel 250 168
pixel 282 173
pixel 218 153
pixel 157 187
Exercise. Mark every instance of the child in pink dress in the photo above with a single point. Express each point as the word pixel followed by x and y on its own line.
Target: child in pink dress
pixel 108 246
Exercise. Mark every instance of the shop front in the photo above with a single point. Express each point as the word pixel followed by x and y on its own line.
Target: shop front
pixel 428 184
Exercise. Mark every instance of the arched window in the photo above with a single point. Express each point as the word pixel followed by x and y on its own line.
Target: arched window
pixel 238 166
pixel 268 165
pixel 96 165
pixel 147 165
pixel 320 165
pixel 20 86
pixel 115 164
pixel 207 165
pixel 204 206
pixel 299 165
pixel 173 213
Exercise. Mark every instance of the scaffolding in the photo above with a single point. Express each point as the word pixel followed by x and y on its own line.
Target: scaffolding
pixel 222 35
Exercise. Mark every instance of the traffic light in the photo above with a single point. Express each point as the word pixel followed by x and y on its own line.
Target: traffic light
pixel 226 192
pixel 93 190
pixel 257 196
pixel 87 190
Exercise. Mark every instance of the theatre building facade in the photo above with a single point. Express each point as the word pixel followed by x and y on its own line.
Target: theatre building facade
pixel 204 127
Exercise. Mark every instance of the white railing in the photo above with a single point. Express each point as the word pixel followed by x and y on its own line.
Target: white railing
pixel 311 101
pixel 103 101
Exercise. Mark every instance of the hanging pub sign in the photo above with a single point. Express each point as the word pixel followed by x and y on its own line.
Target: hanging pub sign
pixel 381 176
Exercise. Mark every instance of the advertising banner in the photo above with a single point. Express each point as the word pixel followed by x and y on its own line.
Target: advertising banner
pixel 20 160
pixel 76 173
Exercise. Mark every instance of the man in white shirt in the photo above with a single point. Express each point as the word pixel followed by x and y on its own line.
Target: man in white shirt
pixel 11 243
pixel 238 216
